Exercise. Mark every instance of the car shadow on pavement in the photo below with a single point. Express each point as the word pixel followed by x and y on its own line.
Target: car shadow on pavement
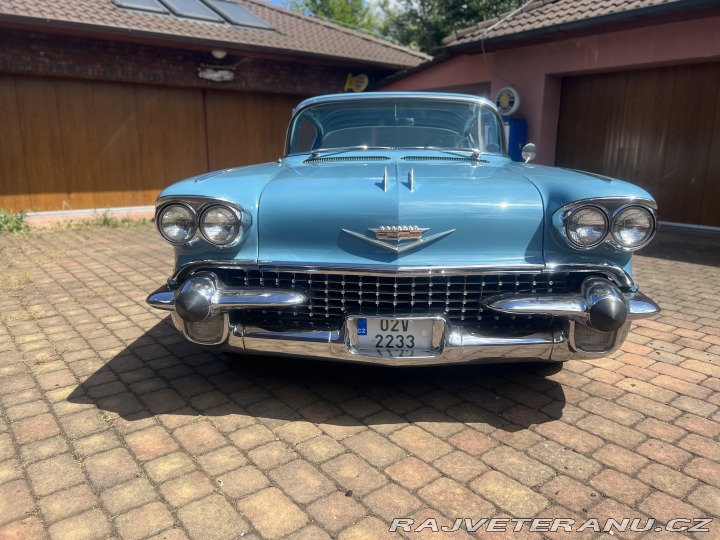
pixel 685 245
pixel 162 373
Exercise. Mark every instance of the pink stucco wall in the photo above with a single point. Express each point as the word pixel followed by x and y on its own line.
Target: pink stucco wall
pixel 536 71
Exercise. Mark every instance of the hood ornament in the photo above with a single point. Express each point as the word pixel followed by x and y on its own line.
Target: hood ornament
pixel 410 235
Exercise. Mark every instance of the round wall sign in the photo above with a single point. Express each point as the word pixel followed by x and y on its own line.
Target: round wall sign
pixel 507 101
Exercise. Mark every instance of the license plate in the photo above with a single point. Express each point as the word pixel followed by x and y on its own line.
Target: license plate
pixel 394 337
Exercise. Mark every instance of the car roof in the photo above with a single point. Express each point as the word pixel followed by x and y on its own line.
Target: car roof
pixel 439 96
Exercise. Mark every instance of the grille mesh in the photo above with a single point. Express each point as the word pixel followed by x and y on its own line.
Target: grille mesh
pixel 333 296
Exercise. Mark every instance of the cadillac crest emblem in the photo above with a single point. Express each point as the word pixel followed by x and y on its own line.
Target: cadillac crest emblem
pixel 399 238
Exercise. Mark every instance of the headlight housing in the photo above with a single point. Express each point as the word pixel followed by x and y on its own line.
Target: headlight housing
pixel 220 225
pixel 586 227
pixel 633 227
pixel 177 223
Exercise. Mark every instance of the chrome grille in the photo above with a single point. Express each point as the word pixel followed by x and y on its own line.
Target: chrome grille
pixel 458 297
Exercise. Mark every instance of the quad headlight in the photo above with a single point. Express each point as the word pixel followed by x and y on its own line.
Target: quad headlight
pixel 626 227
pixel 633 227
pixel 220 225
pixel 586 227
pixel 177 223
pixel 195 222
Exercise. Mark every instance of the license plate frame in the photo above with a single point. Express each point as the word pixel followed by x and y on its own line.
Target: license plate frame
pixel 364 344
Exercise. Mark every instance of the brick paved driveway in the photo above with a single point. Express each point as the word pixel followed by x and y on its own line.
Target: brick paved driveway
pixel 113 425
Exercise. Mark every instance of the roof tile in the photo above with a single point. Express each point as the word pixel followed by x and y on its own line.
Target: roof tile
pixel 293 32
pixel 548 13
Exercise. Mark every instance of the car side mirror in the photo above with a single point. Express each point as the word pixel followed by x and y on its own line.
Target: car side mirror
pixel 529 152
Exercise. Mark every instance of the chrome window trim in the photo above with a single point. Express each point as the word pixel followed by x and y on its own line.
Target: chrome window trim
pixel 199 205
pixel 618 274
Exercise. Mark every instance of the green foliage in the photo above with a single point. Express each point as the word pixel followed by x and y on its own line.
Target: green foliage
pixel 102 220
pixel 418 24
pixel 355 14
pixel 422 24
pixel 11 222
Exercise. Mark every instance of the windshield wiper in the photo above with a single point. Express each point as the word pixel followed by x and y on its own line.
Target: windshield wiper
pixel 475 153
pixel 333 151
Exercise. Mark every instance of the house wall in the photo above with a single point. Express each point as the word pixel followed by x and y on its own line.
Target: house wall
pixel 536 71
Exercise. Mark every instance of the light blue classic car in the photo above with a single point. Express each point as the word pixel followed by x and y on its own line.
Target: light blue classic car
pixel 395 230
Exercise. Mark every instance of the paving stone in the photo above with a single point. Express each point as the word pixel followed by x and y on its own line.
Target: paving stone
pixel 252 436
pixel 35 428
pixel 620 487
pixel 667 480
pixel 54 474
pixel 272 513
pixel 212 518
pixel 374 449
pixel 320 449
pixel 88 526
pixel 420 443
pixel 369 528
pixel 66 503
pixel 221 460
pixel 200 437
pixel 111 468
pixel 518 466
pixel 301 481
pixel 120 499
pixel 151 443
pixel 18 501
pixel 271 455
pixel 336 512
pixel 392 501
pixel 145 521
pixel 564 461
pixel 570 493
pixel 460 466
pixel 453 499
pixel 242 482
pixel 354 474
pixel 169 467
pixel 26 529
pixel 508 494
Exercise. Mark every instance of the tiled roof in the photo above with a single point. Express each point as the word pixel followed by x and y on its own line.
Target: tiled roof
pixel 545 14
pixel 294 34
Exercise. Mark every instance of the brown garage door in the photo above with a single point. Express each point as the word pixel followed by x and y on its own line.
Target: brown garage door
pixel 658 128
pixel 80 144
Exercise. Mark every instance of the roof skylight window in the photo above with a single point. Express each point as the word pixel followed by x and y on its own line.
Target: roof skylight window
pixel 205 10
pixel 142 5
pixel 193 9
pixel 236 14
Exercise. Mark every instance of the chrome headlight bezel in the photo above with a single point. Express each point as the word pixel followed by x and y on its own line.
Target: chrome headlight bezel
pixel 611 207
pixel 574 212
pixel 618 213
pixel 198 206
pixel 236 215
pixel 162 212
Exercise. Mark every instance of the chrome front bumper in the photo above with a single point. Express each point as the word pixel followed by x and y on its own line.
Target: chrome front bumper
pixel 600 308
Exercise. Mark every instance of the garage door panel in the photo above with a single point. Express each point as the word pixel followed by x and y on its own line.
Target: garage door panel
pixel 688 147
pixel 172 136
pixel 13 175
pixel 710 212
pixel 246 128
pixel 666 140
pixel 41 138
pixel 80 142
pixel 643 137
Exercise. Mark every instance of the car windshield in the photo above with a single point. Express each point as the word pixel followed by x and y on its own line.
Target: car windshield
pixel 397 123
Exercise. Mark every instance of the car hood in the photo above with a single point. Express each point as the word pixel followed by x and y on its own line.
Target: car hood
pixel 483 214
